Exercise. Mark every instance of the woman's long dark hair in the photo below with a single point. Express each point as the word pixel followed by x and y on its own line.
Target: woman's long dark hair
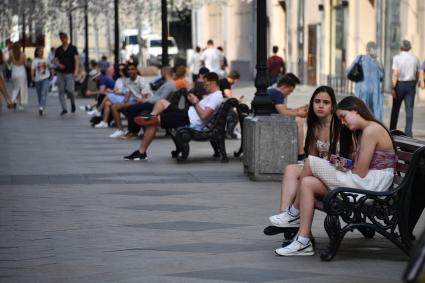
pixel 313 122
pixel 349 140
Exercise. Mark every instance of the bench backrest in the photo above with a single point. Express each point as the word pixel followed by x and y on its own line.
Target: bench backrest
pixel 220 117
pixel 406 148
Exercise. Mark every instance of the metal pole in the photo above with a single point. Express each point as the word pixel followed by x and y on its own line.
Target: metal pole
pixel 261 104
pixel 70 26
pixel 164 33
pixel 117 39
pixel 23 30
pixel 86 35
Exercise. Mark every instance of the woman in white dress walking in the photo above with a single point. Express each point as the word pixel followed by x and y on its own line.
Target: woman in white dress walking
pixel 19 76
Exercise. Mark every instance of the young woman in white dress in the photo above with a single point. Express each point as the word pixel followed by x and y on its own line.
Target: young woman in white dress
pixel 19 76
pixel 365 141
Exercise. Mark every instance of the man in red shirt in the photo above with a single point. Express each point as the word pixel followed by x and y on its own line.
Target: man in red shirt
pixel 275 66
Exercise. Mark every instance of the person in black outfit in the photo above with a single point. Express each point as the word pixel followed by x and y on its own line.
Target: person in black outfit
pixel 67 63
pixel 226 83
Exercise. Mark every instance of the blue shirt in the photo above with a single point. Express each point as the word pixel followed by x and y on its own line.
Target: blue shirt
pixel 107 82
pixel 277 97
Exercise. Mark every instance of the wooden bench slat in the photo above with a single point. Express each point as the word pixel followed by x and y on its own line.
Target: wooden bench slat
pixel 401 167
pixel 404 155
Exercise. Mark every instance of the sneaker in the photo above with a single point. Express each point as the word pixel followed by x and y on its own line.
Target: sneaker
pixel 148 120
pixel 94 113
pixel 117 134
pixel 296 249
pixel 101 125
pixel 40 111
pixel 285 219
pixel 63 112
pixel 136 156
pixel 73 108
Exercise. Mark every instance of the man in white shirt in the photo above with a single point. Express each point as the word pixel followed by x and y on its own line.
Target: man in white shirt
pixel 212 58
pixel 138 91
pixel 169 116
pixel 406 68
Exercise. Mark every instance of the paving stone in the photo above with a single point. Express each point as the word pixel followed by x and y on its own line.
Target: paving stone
pixel 244 274
pixel 168 207
pixel 192 226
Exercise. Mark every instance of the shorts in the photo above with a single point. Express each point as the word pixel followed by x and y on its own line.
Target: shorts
pixel 115 99
pixel 174 117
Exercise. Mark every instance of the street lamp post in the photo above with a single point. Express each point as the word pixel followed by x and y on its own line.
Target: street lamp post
pixel 117 38
pixel 261 104
pixel 86 36
pixel 164 33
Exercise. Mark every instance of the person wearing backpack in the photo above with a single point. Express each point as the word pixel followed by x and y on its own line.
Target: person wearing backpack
pixel 368 85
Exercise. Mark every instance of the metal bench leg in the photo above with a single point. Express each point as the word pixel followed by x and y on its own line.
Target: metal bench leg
pixel 333 229
pixel 222 149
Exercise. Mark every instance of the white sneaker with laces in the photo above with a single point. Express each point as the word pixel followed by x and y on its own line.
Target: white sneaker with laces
pixel 101 125
pixel 296 249
pixel 117 134
pixel 94 113
pixel 284 220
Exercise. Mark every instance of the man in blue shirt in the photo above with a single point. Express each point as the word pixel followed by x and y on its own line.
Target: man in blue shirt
pixel 105 84
pixel 278 94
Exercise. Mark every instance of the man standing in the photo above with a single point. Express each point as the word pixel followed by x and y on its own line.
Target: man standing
pixel 67 63
pixel 275 66
pixel 169 116
pixel 278 94
pixel 212 58
pixel 406 68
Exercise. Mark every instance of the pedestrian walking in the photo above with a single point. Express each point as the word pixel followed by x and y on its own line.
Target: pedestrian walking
pixel 3 90
pixel 67 62
pixel 19 76
pixel 212 58
pixel 40 75
pixel 406 68
pixel 195 63
pixel 275 66
pixel 369 89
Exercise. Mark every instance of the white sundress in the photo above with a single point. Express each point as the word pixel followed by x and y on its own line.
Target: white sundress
pixel 377 180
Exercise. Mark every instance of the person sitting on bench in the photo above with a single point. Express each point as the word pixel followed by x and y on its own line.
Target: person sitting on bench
pixel 169 116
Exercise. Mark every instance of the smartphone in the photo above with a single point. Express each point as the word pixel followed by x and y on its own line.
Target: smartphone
pixel 341 162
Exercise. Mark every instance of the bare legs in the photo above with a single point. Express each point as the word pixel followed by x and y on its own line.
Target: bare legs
pixel 150 131
pixel 6 96
pixel 116 110
pixel 290 184
pixel 300 127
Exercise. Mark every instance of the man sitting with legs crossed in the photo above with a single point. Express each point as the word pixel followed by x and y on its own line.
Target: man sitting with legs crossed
pixel 169 116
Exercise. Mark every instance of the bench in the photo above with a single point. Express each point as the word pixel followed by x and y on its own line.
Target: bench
pixel 392 213
pixel 215 132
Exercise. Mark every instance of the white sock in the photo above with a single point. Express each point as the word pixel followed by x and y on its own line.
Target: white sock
pixel 303 240
pixel 293 211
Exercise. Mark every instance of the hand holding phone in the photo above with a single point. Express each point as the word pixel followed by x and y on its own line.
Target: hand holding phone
pixel 341 163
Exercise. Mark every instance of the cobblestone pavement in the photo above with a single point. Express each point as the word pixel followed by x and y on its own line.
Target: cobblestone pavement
pixel 71 210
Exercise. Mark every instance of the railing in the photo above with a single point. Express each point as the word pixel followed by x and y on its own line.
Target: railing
pixel 340 84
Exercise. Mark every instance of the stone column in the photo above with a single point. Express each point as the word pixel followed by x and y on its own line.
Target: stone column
pixel 270 143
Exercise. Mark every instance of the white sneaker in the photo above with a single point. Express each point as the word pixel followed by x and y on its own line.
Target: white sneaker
pixel 101 125
pixel 296 249
pixel 94 113
pixel 117 134
pixel 284 220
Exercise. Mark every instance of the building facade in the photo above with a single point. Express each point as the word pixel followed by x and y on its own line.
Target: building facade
pixel 317 38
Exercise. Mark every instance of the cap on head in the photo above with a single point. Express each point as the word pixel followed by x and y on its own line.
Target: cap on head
pixel 94 74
